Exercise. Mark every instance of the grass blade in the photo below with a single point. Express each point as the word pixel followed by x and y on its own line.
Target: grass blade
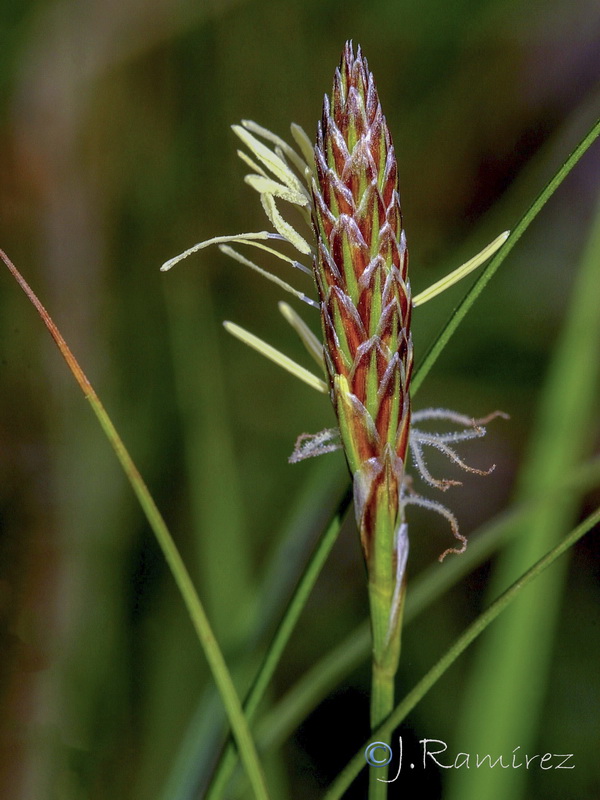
pixel 165 540
pixel 512 666
pixel 318 498
pixel 401 711
pixel 281 638
pixel 486 275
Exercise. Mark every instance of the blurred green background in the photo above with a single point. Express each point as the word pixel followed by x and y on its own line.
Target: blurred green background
pixel 116 155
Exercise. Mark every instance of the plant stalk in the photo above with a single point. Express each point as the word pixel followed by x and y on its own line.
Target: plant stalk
pixel 214 656
pixel 387 590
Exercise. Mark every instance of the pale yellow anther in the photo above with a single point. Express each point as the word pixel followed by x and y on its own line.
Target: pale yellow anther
pixel 304 143
pixel 274 355
pixel 461 272
pixel 239 237
pixel 283 227
pixel 252 164
pixel 270 159
pixel 229 251
pixel 308 338
pixel 287 151
pixel 265 185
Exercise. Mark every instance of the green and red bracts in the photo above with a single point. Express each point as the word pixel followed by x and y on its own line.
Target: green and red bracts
pixel 361 274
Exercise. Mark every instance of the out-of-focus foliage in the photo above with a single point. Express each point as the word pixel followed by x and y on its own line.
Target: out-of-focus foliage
pixel 116 155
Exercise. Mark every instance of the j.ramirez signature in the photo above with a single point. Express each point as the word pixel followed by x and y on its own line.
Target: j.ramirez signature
pixel 379 754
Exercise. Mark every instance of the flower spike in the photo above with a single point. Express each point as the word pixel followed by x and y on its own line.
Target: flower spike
pixel 361 274
pixel 346 187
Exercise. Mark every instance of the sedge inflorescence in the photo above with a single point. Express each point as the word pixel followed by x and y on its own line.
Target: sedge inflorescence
pixel 361 271
pixel 346 190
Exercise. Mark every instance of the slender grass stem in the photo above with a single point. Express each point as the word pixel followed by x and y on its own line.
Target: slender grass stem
pixel 463 307
pixel 386 633
pixel 519 653
pixel 401 711
pixel 282 635
pixel 382 704
pixel 165 540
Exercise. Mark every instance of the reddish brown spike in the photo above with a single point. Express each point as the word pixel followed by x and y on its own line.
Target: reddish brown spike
pixel 364 292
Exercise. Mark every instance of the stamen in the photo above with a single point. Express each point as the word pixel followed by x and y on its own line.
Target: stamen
pixel 275 356
pixel 308 338
pixel 252 164
pixel 270 159
pixel 265 185
pixel 411 498
pixel 239 237
pixel 309 445
pixel 461 272
pixel 291 261
pixel 229 251
pixel 283 227
pixel 298 162
pixel 305 145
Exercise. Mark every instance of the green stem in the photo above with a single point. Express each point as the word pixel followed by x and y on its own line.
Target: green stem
pixel 386 656
pixel 382 705
pixel 384 667
pixel 349 773
pixel 280 640
pixel 382 694
pixel 387 587
pixel 165 540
